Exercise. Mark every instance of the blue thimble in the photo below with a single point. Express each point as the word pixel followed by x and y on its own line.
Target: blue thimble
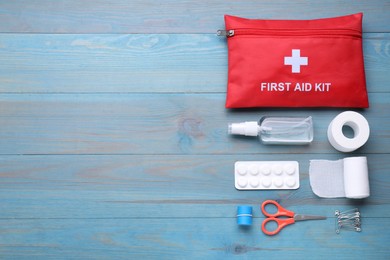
pixel 244 215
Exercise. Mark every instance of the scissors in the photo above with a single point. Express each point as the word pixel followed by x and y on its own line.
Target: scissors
pixel 291 217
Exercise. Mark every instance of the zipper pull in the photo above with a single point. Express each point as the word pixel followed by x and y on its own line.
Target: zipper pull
pixel 226 33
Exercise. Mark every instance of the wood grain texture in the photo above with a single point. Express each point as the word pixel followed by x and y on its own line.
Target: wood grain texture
pixel 156 124
pixel 114 145
pixel 140 16
pixel 141 63
pixel 192 238
pixel 169 186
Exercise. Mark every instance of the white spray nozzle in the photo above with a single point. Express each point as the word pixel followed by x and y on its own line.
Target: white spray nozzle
pixel 246 128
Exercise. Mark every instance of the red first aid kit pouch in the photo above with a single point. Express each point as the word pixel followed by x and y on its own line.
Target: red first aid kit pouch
pixel 295 63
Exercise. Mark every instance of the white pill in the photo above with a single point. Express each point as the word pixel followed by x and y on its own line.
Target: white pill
pixel 265 169
pixel 241 169
pixel 278 182
pixel 254 183
pixel 289 169
pixel 266 182
pixel 253 169
pixel 277 169
pixel 290 182
pixel 242 182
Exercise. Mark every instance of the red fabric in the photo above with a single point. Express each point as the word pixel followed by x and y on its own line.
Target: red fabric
pixel 327 54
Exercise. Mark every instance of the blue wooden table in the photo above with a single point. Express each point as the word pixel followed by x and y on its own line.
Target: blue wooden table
pixel 114 145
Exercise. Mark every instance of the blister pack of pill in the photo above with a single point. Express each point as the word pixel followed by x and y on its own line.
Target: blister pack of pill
pixel 266 175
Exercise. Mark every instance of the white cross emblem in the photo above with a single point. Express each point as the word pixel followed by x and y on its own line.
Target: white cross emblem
pixel 296 61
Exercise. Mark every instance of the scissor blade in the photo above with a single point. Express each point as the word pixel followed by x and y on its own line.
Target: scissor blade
pixel 300 217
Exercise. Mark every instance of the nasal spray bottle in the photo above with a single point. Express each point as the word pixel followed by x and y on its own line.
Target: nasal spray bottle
pixel 277 130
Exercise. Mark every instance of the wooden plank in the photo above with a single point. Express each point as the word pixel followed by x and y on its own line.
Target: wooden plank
pixel 156 124
pixel 146 16
pixel 162 186
pixel 174 238
pixel 47 63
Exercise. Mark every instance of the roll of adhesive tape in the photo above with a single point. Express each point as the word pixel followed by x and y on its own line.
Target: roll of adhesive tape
pixel 359 126
pixel 244 215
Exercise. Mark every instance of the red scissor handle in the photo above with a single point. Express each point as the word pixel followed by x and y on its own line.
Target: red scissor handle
pixel 280 210
pixel 281 223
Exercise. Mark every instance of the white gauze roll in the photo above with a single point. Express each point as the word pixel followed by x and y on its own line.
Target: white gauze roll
pixel 359 126
pixel 356 182
pixel 341 178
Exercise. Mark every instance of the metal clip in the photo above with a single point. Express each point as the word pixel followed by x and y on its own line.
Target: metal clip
pixel 348 220
pixel 226 33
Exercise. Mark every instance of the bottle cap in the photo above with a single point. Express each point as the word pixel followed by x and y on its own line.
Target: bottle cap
pixel 246 128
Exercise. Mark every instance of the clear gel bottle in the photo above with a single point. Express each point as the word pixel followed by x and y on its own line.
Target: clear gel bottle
pixel 277 130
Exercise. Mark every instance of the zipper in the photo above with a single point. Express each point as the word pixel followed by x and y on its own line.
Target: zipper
pixel 290 32
pixel 226 33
